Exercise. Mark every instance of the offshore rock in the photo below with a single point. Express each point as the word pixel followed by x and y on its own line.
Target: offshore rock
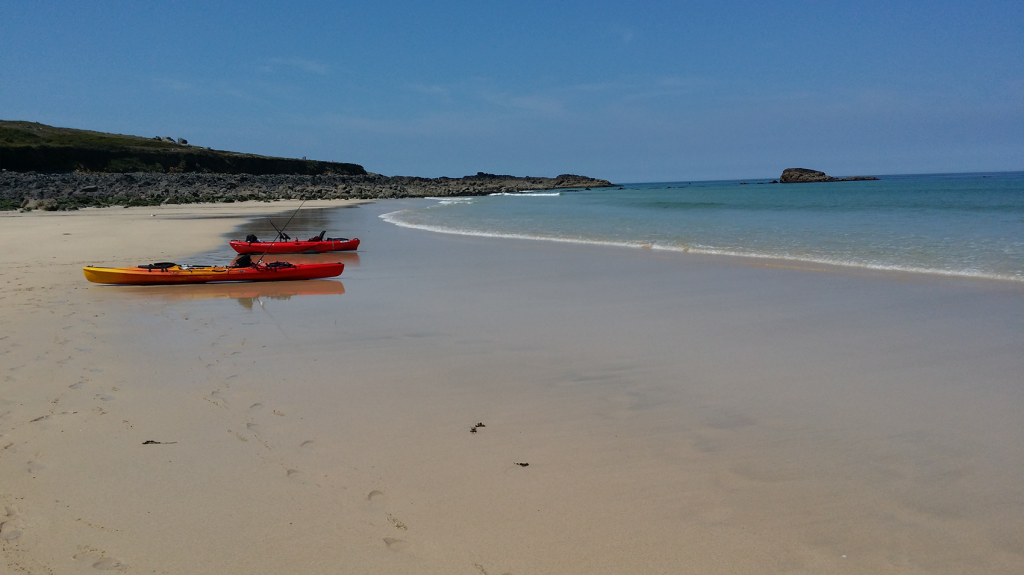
pixel 803 176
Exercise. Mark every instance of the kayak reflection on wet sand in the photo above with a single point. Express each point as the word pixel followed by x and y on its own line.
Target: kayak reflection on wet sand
pixel 245 293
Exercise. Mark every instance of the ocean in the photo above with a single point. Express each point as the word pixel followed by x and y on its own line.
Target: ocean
pixel 969 225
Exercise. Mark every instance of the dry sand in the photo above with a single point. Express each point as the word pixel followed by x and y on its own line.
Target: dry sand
pixel 679 414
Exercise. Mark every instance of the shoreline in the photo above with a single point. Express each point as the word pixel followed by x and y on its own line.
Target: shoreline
pixel 673 411
pixel 246 212
pixel 751 258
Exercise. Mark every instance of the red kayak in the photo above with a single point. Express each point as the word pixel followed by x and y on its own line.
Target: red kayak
pixel 168 273
pixel 314 245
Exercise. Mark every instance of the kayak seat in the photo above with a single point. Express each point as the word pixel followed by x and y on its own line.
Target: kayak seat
pixel 243 261
pixel 318 238
pixel 251 238
pixel 335 239
pixel 158 266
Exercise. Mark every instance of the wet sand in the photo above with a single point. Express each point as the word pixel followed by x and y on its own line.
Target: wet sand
pixel 679 413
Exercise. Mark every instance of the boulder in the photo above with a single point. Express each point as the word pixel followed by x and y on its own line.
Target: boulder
pixel 47 204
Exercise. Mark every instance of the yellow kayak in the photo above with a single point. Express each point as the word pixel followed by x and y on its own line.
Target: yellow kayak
pixel 168 273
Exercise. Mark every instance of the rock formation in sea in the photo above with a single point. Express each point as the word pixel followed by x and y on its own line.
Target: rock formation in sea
pixel 803 175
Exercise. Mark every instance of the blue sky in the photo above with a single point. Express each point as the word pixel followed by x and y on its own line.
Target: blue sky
pixel 628 91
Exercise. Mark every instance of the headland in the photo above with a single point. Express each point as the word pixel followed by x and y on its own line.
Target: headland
pixel 51 168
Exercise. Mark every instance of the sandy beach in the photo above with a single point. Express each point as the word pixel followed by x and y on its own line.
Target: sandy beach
pixel 642 412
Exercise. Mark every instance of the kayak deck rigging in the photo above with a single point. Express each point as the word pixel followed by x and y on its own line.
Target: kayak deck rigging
pixel 284 244
pixel 163 273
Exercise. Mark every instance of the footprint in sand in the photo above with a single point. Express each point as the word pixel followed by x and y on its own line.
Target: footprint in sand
pixel 12 526
pixel 375 497
pixel 256 407
pixel 217 398
pixel 98 560
pixel 395 544
pixel 77 385
pixel 109 564
pixel 104 397
pixel 253 427
pixel 34 466
pixel 308 443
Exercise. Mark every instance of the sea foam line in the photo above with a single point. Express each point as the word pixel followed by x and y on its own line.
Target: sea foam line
pixel 452 200
pixel 528 194
pixel 392 218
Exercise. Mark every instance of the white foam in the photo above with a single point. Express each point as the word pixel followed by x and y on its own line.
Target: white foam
pixel 839 263
pixel 393 218
pixel 529 194
pixel 452 200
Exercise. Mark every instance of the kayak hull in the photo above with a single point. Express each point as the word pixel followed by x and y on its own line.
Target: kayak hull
pixel 294 247
pixel 199 275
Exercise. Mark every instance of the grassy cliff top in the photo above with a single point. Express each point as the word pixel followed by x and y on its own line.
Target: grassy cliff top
pixel 36 134
pixel 31 146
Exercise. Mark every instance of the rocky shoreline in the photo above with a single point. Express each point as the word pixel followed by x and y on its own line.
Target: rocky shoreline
pixel 70 191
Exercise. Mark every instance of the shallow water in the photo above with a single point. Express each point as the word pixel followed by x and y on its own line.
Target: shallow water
pixel 949 224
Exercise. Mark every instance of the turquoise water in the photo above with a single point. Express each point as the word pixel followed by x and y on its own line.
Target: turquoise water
pixel 950 224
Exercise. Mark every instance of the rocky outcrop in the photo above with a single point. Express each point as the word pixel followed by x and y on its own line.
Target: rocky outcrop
pixel 803 175
pixel 71 191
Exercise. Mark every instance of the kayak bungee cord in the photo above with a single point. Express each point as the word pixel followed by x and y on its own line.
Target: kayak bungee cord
pixel 280 232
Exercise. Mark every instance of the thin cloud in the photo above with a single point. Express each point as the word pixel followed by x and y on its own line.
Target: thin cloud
pixel 301 64
pixel 203 89
pixel 429 125
pixel 440 92
pixel 536 103
pixel 176 85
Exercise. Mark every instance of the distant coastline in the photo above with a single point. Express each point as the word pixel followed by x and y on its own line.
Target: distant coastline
pixel 50 168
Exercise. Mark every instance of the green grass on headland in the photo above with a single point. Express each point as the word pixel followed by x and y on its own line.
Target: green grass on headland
pixel 36 134
pixel 34 147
